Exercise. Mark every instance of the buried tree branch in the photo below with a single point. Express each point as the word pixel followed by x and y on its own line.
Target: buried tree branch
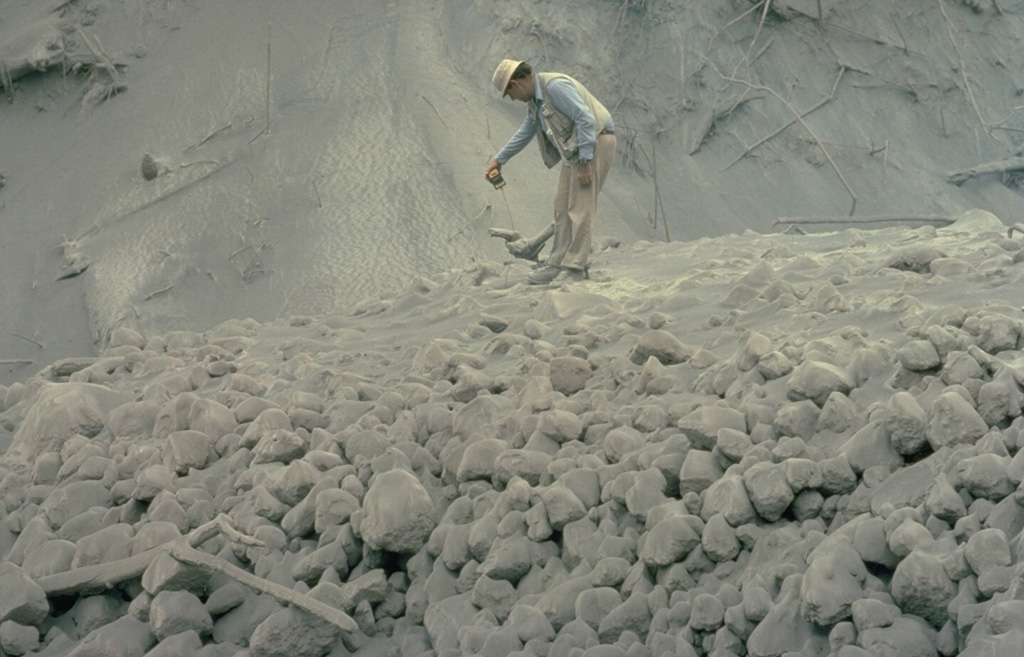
pixel 963 70
pixel 766 138
pixel 789 106
pixel 870 219
pixel 193 557
pixel 710 118
pixel 266 125
pixel 96 227
pixel 1009 165
pixel 108 575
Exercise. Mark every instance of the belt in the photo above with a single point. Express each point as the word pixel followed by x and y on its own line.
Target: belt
pixel 606 132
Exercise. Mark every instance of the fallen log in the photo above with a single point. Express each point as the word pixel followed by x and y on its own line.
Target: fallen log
pixel 869 219
pixel 1009 165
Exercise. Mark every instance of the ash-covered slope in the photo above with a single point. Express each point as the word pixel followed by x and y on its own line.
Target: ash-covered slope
pixel 760 445
pixel 363 169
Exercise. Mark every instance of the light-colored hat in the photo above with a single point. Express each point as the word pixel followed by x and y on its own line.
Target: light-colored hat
pixel 503 74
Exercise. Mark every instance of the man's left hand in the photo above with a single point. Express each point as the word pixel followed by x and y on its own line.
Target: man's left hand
pixel 584 174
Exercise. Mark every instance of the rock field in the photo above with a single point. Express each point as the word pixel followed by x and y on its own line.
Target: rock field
pixel 753 445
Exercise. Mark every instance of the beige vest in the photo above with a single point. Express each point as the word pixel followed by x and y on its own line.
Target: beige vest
pixel 559 141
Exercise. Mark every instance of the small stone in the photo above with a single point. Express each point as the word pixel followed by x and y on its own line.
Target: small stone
pixel 661 345
pixel 985 476
pixel 669 541
pixel 633 615
pixel 16 639
pixel 906 423
pixel 732 443
pixel 508 559
pixel 149 167
pixel 479 458
pixel 497 595
pixel 816 380
pixel 707 614
pixel 172 612
pixel 225 598
pixel 919 356
pixel 998 333
pixel 719 539
pixel 22 600
pixel 869 613
pixel 561 426
pixel 986 549
pixel 944 502
pixel 95 611
pixel 184 643
pixel 700 470
pixel 728 496
pixel 398 513
pixel 334 507
pixel 151 481
pixel 920 586
pixel 530 624
pixel 833 582
pixel 906 637
pixel 769 491
pixel 593 605
pixel 493 323
pixel 702 425
pixel 562 505
pixel 569 374
pixel 122 638
pixel 954 422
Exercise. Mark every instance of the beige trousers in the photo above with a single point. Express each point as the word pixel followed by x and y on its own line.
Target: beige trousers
pixel 576 206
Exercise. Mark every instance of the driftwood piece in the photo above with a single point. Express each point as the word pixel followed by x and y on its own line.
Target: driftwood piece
pixel 1013 164
pixel 518 246
pixel 104 576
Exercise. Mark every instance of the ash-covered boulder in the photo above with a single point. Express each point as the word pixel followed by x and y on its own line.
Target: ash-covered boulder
pixel 569 374
pixel 833 582
pixel 816 380
pixel 398 513
pixel 921 586
pixel 173 612
pixel 21 599
pixel 291 632
pixel 954 421
pixel 660 344
pixel 59 412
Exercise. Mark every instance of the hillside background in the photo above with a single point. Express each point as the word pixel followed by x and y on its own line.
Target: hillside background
pixel 366 172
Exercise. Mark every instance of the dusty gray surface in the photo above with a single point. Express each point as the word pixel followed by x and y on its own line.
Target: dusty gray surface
pixel 381 116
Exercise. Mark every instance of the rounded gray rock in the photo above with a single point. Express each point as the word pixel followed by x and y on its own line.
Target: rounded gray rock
pixel 172 612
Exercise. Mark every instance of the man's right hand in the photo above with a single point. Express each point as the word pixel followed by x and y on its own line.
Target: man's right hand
pixel 491 166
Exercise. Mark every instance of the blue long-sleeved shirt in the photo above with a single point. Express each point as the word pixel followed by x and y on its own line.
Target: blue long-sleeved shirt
pixel 566 99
